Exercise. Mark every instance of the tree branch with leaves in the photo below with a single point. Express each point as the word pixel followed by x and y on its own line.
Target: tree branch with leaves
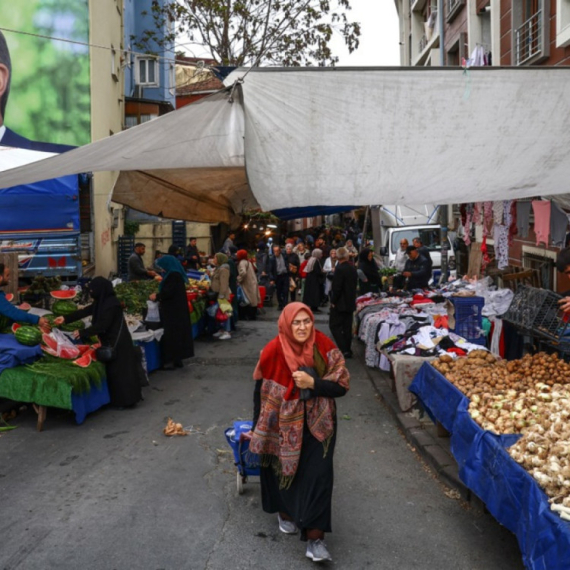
pixel 257 32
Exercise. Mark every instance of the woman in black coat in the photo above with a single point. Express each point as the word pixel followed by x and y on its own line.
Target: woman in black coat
pixel 108 323
pixel 368 267
pixel 177 342
pixel 314 282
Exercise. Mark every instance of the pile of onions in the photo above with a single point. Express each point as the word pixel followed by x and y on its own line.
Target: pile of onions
pixel 530 396
pixel 544 450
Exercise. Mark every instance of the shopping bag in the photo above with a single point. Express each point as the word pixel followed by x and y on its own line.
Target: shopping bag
pixel 212 310
pixel 153 314
pixel 221 317
pixel 242 297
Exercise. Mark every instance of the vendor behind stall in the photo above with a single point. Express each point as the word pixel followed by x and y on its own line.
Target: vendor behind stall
pixel 416 272
pixel 13 313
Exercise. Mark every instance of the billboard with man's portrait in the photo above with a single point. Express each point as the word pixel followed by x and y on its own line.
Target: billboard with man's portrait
pixel 49 98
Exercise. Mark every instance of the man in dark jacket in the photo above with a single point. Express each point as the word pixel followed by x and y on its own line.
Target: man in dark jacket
pixel 137 269
pixel 417 270
pixel 192 255
pixel 293 263
pixel 279 276
pixel 423 251
pixel 343 301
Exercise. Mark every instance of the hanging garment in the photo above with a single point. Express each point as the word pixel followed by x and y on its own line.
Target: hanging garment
pixel 477 210
pixel 485 260
pixel 487 218
pixel 558 225
pixel 523 218
pixel 467 225
pixel 501 237
pixel 498 212
pixel 541 220
pixel 513 224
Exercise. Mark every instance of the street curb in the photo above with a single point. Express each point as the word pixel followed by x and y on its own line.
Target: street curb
pixel 435 451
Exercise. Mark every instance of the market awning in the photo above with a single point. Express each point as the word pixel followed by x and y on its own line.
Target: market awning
pixel 312 211
pixel 314 136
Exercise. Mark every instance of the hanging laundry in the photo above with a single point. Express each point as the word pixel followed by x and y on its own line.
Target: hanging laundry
pixel 477 210
pixel 487 218
pixel 467 225
pixel 477 58
pixel 501 237
pixel 513 224
pixel 498 212
pixel 485 260
pixel 541 210
pixel 558 225
pixel 523 218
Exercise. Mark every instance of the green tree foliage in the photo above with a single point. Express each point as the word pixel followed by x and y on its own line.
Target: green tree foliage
pixel 253 32
pixel 50 96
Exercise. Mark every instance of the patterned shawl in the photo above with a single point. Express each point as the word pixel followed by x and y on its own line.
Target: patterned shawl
pixel 278 435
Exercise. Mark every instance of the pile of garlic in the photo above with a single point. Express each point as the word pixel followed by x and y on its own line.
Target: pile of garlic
pixel 544 450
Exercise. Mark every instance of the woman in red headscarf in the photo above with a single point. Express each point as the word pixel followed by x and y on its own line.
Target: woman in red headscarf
pixel 298 377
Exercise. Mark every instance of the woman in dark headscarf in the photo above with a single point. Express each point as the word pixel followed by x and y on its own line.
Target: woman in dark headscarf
pixel 177 343
pixel 108 323
pixel 367 269
pixel 299 375
pixel 313 292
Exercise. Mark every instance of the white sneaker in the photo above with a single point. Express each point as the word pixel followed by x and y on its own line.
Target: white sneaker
pixel 225 336
pixel 218 334
pixel 317 551
pixel 287 527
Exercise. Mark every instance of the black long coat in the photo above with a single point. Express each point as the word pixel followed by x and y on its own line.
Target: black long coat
pixel 123 378
pixel 313 294
pixel 343 288
pixel 177 342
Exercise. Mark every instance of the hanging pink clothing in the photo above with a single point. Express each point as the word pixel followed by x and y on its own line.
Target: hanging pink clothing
pixel 498 212
pixel 541 210
pixel 487 218
pixel 477 209
pixel 467 227
pixel 513 227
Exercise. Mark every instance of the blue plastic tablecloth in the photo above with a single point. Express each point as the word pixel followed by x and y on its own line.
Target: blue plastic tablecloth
pixel 84 404
pixel 512 496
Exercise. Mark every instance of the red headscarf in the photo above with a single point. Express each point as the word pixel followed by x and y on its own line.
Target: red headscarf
pixel 241 254
pixel 296 354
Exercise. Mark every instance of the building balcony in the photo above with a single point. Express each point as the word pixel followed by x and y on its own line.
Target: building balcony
pixel 425 46
pixel 453 9
pixel 530 43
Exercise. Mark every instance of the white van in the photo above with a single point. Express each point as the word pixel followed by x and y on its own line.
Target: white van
pixel 391 224
pixel 428 234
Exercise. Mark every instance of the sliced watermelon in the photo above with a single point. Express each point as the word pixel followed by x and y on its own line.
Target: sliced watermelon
pixel 49 350
pixel 24 307
pixel 84 361
pixel 69 294
pixel 50 342
pixel 9 297
pixel 68 353
pixel 15 327
pixel 83 348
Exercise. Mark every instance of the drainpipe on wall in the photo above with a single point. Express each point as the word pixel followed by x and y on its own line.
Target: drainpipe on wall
pixel 444 210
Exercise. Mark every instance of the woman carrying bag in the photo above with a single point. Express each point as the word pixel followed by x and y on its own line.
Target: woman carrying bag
pixel 313 292
pixel 221 286
pixel 108 323
pixel 177 343
pixel 247 280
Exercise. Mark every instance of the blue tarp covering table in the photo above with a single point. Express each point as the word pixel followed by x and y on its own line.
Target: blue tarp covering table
pixel 512 496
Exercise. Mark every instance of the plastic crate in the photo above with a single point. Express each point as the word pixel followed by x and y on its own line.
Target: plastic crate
pixel 537 312
pixel 469 318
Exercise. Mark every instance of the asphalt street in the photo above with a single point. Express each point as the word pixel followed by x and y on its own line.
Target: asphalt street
pixel 115 493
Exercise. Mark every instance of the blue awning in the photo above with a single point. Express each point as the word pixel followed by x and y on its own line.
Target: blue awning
pixel 311 211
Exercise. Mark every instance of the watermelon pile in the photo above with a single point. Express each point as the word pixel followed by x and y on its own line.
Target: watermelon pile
pixel 28 336
pixel 62 308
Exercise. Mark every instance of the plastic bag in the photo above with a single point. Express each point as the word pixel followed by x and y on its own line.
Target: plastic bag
pixel 153 314
pixel 212 310
pixel 242 297
pixel 59 345
pixel 221 317
pixel 226 307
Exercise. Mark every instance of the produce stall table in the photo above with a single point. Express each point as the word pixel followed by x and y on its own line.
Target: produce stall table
pixel 85 394
pixel 511 495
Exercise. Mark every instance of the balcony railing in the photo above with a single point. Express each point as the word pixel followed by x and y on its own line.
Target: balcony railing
pixel 453 8
pixel 452 4
pixel 528 39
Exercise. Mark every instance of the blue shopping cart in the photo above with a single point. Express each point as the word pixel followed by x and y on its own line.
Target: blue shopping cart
pixel 246 463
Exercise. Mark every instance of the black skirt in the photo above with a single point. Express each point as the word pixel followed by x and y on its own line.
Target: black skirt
pixel 308 501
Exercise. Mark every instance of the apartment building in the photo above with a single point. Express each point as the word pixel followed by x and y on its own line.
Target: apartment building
pixel 508 32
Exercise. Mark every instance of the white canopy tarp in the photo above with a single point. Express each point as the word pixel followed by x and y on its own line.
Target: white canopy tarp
pixel 333 137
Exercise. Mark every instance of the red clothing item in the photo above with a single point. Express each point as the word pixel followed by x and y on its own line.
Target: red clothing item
pixel 302 271
pixel 458 351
